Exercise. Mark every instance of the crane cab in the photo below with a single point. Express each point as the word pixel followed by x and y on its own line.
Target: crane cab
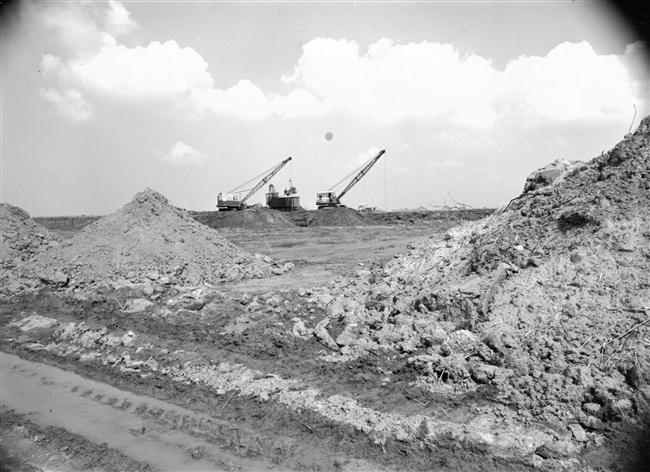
pixel 229 201
pixel 327 200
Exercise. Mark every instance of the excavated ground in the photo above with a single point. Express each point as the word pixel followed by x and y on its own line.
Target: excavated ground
pixel 247 324
pixel 515 342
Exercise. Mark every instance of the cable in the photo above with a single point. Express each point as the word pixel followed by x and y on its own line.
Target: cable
pixel 255 179
pixel 385 201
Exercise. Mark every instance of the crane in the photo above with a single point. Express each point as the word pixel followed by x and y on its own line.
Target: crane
pixel 329 199
pixel 233 201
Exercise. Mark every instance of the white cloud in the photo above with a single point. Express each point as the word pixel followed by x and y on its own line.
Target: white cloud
pixel 390 82
pixel 164 72
pixel 243 100
pixel 297 104
pixel 181 153
pixel 426 80
pixel 73 25
pixel 570 83
pixel 68 104
pixel 161 70
pixel 118 19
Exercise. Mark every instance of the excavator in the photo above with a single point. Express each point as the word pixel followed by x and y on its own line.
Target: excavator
pixel 329 199
pixel 233 200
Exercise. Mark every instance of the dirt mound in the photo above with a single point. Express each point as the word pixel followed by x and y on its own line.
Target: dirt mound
pixel 330 217
pixel 148 240
pixel 21 237
pixel 420 217
pixel 547 303
pixel 255 218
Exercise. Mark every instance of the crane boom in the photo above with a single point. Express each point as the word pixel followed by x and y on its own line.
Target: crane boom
pixel 361 173
pixel 268 177
pixel 231 201
pixel 330 200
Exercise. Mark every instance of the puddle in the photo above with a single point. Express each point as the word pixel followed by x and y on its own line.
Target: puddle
pixel 54 397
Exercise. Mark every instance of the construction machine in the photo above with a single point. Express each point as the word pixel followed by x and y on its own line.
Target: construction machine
pixel 329 199
pixel 233 200
pixel 289 201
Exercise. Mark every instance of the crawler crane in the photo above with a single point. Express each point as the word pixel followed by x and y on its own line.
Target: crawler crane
pixel 233 200
pixel 329 199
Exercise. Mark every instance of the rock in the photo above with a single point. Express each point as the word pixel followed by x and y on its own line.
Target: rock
pixel 619 409
pixel 482 373
pixel 578 433
pixel 137 304
pixel 591 408
pixel 323 335
pixel 254 306
pixel 460 342
pixel 147 290
pixel 194 300
pixel 299 330
pixel 129 338
pixel 537 461
pixel 551 174
pixel 556 450
pixel 348 336
pixel 325 298
pixel 165 280
pixel 431 335
pixel 591 422
pixel 232 274
pixel 191 276
pixel 55 278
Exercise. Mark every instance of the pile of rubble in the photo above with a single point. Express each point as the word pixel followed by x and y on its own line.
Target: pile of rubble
pixel 547 301
pixel 21 238
pixel 147 241
pixel 255 218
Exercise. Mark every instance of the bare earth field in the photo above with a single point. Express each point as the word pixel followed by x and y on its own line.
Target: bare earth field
pixel 231 333
pixel 160 339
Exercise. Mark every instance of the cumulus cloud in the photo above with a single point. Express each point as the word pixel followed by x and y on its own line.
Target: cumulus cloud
pixel 181 153
pixel 161 70
pixel 297 104
pixel 392 82
pixel 118 19
pixel 570 83
pixel 389 82
pixel 243 100
pixel 102 67
pixel 68 103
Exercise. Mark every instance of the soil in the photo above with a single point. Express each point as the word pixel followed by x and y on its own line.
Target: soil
pixel 518 341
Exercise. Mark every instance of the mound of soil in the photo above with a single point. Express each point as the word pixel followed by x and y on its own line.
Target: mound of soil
pixel 148 240
pixel 255 218
pixel 65 226
pixel 547 304
pixel 426 217
pixel 330 217
pixel 21 237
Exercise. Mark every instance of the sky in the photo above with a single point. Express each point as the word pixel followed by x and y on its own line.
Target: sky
pixel 101 100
